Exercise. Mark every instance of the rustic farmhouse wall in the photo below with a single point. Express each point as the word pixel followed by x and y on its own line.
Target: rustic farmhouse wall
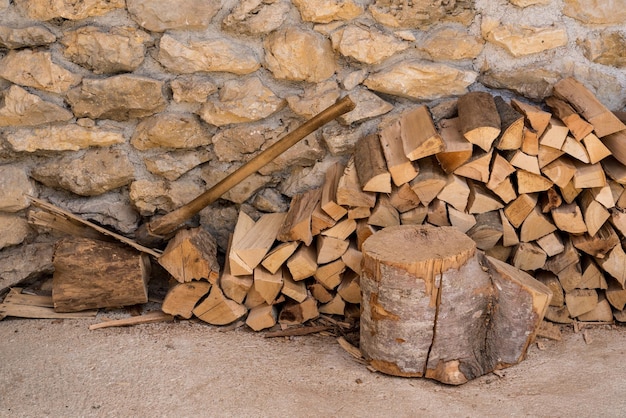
pixel 121 110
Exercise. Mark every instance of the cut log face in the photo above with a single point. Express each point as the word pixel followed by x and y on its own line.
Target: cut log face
pixel 329 193
pixel 371 166
pixel 399 338
pixel 511 126
pixel 580 98
pixel 182 298
pixel 349 191
pixel 400 167
pixel 217 309
pixel 191 255
pixel 91 274
pixel 419 135
pixel 457 150
pixel 479 119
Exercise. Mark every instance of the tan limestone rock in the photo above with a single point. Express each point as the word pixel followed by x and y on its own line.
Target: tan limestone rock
pixel 606 48
pixel 351 79
pixel 93 173
pixel 63 138
pixel 67 9
pixel 120 97
pixel 149 197
pixel 27 261
pixel 170 130
pixel 299 55
pixel 447 43
pixel 422 14
pixel 596 11
pixel 523 40
pixel 366 44
pixel 162 15
pixel 36 69
pixel 305 153
pixel 21 108
pixel 4 4
pixel 192 88
pixel 271 201
pixel 315 98
pixel 255 17
pixel 14 187
pixel 241 101
pixel 368 106
pixel 242 143
pixel 607 88
pixel 325 11
pixel 14 229
pixel 218 54
pixel 415 79
pixel 119 49
pixel 171 165
pixel 14 38
pixel 531 82
pixel 341 140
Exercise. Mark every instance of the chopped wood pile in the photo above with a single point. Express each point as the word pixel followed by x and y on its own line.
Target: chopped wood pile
pixel 540 190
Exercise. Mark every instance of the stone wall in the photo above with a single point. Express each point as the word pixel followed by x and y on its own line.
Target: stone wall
pixel 121 110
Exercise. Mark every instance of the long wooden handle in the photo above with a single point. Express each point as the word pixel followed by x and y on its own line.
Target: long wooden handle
pixel 164 226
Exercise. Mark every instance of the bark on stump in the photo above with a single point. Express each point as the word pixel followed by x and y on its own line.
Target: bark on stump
pixel 434 306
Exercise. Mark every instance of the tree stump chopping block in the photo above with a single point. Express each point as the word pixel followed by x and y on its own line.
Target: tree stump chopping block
pixel 434 306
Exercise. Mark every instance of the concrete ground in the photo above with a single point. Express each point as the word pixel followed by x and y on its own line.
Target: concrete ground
pixel 54 368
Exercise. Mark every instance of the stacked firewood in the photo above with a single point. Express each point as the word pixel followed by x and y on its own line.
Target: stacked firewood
pixel 541 190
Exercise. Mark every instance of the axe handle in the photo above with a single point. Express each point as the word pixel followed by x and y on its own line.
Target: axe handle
pixel 164 226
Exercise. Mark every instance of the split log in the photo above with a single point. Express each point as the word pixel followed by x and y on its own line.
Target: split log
pixel 547 155
pixel 520 208
pixel 569 218
pixel 481 200
pixel 297 223
pixel 183 298
pixel 594 214
pixel 530 142
pixel 292 289
pixel 371 166
pixel 479 119
pixel 535 226
pixel 528 182
pixel 302 263
pixel 191 255
pixel 457 150
pixel 537 118
pixel 278 256
pixel 320 293
pixel 599 244
pixel 419 135
pixel 455 193
pixel 551 244
pixel 511 125
pixel 299 312
pixel 592 276
pixel 330 275
pixel 477 167
pixel 268 284
pixel 236 265
pixel 429 182
pixel 403 198
pixel 580 301
pixel 262 317
pixel 438 213
pixel 500 170
pixel 560 171
pixel 21 305
pixel 487 231
pixel 552 282
pixel 521 160
pixel 560 261
pixel 616 295
pixel 529 256
pixel 555 134
pixel 584 101
pixel 614 263
pixel 601 313
pixel 562 110
pixel 596 150
pixel 259 239
pixel 461 220
pixel 550 200
pixel 349 191
pixel 575 149
pixel 509 235
pixel 336 306
pixel 400 167
pixel 570 277
pixel 397 332
pixel 330 249
pixel 91 274
pixel 414 216
pixel 616 144
pixel 217 309
pixel 352 258
pixel 350 289
pixel 588 176
pixel 329 192
pixel 384 214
